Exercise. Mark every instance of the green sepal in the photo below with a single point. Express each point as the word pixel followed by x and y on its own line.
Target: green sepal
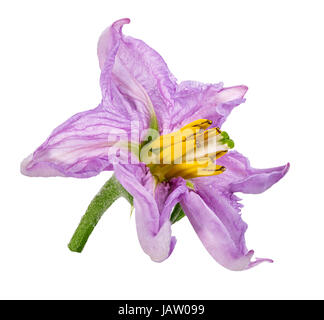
pixel 177 213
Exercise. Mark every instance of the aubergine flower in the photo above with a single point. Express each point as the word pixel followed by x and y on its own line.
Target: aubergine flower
pixel 150 117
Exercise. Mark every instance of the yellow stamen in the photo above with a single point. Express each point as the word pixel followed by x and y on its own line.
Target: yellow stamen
pixel 200 124
pixel 189 152
pixel 182 134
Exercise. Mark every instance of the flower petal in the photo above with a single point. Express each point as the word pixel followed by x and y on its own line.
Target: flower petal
pixel 215 235
pixel 194 100
pixel 133 70
pixel 217 193
pixel 78 147
pixel 227 208
pixel 241 177
pixel 167 195
pixel 153 226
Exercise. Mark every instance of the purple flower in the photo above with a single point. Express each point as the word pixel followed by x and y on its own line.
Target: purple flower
pixel 139 95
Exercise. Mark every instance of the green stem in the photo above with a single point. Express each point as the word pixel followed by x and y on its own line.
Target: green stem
pixel 109 193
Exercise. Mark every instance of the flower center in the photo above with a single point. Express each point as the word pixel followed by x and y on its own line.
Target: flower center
pixel 189 152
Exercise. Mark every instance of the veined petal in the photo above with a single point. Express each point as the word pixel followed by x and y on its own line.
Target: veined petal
pixel 122 94
pixel 241 177
pixel 215 235
pixel 152 217
pixel 217 194
pixel 227 208
pixel 78 147
pixel 167 195
pixel 194 100
pixel 135 78
pixel 109 42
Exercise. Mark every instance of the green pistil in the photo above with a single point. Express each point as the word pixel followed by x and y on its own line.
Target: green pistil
pixel 230 143
pixel 225 135
pixel 226 140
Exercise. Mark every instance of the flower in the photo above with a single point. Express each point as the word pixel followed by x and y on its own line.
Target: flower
pixel 138 88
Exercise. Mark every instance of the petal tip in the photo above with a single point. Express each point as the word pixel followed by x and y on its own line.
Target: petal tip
pixel 244 89
pixel 283 170
pixel 257 261
pixel 232 94
pixel 33 168
pixel 107 41
pixel 119 23
pixel 286 169
pixel 24 164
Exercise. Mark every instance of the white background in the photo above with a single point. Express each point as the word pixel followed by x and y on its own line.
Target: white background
pixel 49 71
